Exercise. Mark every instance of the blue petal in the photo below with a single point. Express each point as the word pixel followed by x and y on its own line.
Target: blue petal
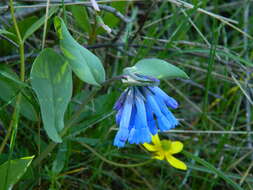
pixel 132 119
pixel 151 121
pixel 119 103
pixel 152 103
pixel 140 132
pixel 121 138
pixel 172 121
pixel 135 131
pixel 118 116
pixel 145 135
pixel 124 122
pixel 140 106
pixel 139 135
pixel 131 138
pixel 127 110
pixel 164 124
pixel 171 102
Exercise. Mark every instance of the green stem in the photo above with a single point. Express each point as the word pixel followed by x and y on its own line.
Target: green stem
pixel 15 116
pixel 6 137
pixel 114 163
pixel 93 33
pixel 20 41
pixel 44 154
pixel 45 25
pixel 13 127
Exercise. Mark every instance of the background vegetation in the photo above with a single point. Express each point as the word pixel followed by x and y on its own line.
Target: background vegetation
pixel 210 40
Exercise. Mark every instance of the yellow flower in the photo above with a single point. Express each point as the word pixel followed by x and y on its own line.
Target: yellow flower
pixel 165 149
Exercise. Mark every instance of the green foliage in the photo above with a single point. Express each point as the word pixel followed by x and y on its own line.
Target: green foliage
pixel 35 26
pixel 25 27
pixel 81 16
pixel 212 168
pixel 52 81
pixel 85 64
pixel 210 42
pixel 11 171
pixel 110 19
pixel 60 159
pixel 156 68
pixel 2 31
pixel 11 86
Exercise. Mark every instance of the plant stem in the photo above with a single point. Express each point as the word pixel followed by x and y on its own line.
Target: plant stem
pixel 15 116
pixel 13 127
pixel 20 43
pixel 114 163
pixel 45 25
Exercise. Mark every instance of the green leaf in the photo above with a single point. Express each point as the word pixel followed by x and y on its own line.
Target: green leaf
pixel 12 77
pixel 213 169
pixel 23 25
pixel 60 159
pixel 156 68
pixel 35 26
pixel 10 86
pixel 82 19
pixel 85 64
pixel 52 82
pixel 11 171
pixel 2 31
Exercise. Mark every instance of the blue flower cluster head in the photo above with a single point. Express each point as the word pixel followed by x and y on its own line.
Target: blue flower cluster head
pixel 141 112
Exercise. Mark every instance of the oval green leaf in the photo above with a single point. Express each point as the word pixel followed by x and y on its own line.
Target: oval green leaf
pixel 156 68
pixel 52 82
pixel 85 64
pixel 11 171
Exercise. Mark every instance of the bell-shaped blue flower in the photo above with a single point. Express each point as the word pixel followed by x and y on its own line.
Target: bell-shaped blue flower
pixel 124 118
pixel 142 111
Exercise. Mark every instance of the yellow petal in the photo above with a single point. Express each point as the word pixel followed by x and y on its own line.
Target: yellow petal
pixel 149 147
pixel 156 140
pixel 159 156
pixel 175 162
pixel 176 147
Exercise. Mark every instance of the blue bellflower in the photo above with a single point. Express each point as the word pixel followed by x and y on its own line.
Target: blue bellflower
pixel 141 112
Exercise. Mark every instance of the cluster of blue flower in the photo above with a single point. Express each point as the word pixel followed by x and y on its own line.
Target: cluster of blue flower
pixel 141 111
